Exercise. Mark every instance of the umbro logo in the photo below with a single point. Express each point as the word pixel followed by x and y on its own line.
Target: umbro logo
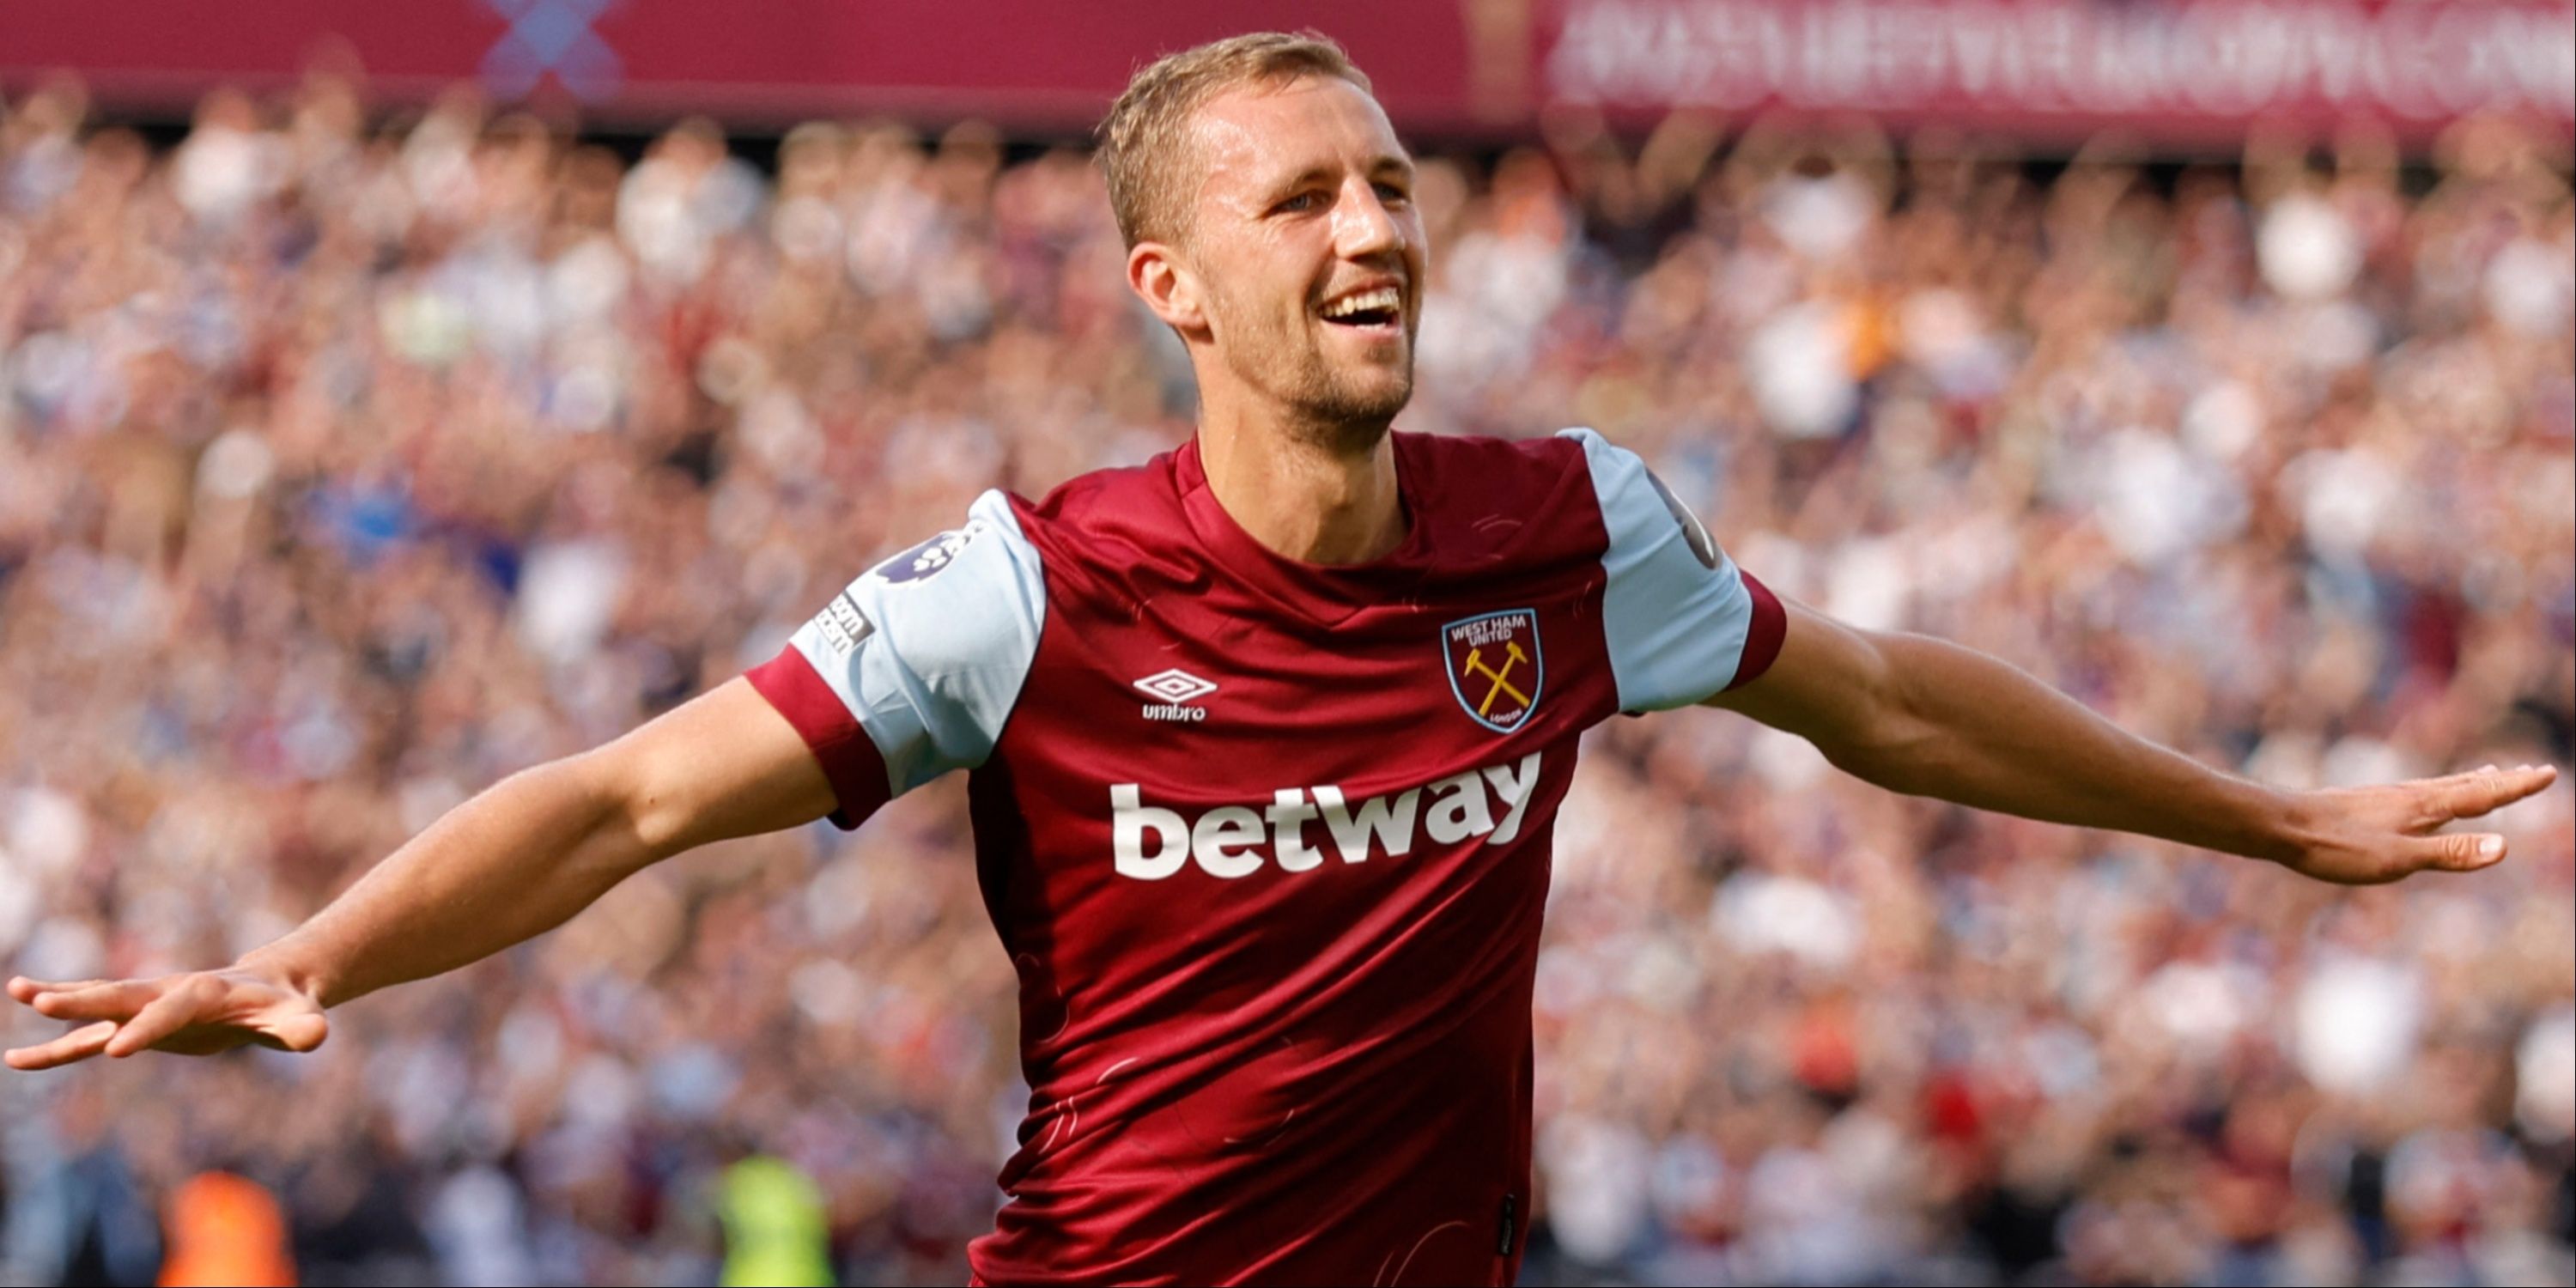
pixel 1175 687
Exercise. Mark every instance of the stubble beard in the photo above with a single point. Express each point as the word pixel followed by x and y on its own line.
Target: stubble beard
pixel 1326 409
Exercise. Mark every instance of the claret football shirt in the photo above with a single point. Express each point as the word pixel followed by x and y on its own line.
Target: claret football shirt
pixel 1267 841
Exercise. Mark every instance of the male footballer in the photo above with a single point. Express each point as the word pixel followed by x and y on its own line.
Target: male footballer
pixel 1265 740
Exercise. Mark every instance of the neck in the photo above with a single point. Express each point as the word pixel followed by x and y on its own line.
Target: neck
pixel 1299 497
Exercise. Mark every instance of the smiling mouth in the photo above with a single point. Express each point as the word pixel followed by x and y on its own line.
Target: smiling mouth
pixel 1361 310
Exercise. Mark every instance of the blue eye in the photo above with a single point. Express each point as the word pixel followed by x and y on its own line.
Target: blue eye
pixel 1298 204
pixel 1392 194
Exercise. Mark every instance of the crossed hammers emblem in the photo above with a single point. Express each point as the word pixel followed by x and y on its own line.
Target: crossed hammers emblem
pixel 1512 657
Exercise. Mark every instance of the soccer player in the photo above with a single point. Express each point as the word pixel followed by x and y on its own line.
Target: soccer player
pixel 1265 740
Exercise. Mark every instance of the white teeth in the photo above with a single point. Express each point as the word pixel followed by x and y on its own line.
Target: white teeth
pixel 1384 297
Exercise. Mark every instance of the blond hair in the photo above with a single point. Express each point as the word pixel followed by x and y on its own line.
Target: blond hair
pixel 1144 140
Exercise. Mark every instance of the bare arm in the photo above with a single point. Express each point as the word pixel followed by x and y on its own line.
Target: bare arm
pixel 1929 718
pixel 508 865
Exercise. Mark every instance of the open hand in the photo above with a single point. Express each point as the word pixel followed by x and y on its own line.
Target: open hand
pixel 198 1013
pixel 2374 835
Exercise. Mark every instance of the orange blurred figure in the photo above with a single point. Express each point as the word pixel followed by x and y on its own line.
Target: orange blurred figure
pixel 226 1229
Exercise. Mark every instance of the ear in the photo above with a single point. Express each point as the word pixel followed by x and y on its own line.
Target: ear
pixel 1161 278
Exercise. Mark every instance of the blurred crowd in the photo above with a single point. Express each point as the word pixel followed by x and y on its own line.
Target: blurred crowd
pixel 348 465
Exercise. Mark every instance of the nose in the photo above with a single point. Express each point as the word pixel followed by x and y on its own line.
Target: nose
pixel 1363 227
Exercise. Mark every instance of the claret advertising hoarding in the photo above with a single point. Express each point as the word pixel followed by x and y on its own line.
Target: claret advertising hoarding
pixel 2193 69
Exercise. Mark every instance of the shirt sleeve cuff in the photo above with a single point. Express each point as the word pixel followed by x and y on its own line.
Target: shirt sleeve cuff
pixel 850 760
pixel 1763 635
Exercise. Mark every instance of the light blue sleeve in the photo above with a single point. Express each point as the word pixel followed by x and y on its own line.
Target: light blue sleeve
pixel 1676 610
pixel 929 650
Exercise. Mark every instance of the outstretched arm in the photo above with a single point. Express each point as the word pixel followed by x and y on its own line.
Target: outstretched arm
pixel 1929 718
pixel 510 864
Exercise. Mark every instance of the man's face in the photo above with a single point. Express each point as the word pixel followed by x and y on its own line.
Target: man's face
pixel 1308 251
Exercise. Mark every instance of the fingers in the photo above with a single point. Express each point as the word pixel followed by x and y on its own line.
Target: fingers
pixel 174 1010
pixel 2459 852
pixel 23 989
pixel 191 1014
pixel 96 1001
pixel 79 1044
pixel 2475 794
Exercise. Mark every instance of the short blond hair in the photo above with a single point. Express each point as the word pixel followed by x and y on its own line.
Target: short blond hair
pixel 1144 139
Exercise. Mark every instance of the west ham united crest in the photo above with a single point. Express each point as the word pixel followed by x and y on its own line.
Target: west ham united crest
pixel 1495 666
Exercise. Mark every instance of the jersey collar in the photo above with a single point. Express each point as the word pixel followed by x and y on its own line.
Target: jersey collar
pixel 1324 593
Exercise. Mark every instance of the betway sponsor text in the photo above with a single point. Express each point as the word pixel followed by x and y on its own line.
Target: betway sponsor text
pixel 1152 842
